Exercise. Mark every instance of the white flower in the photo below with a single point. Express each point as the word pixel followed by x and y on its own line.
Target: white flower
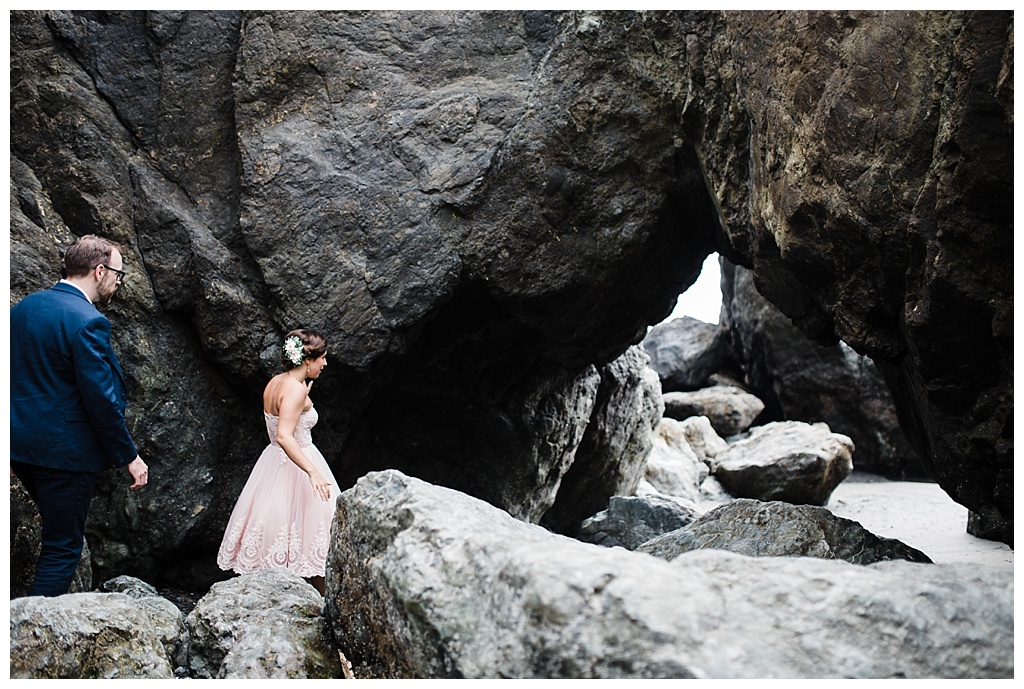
pixel 293 350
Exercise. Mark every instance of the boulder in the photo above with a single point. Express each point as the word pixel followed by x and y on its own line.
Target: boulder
pixel 94 636
pixel 786 460
pixel 779 529
pixel 615 445
pixel 631 521
pixel 702 438
pixel 672 466
pixel 730 409
pixel 685 352
pixel 130 586
pixel 424 582
pixel 264 625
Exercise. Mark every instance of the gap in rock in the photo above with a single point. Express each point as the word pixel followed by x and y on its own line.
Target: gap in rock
pixel 703 299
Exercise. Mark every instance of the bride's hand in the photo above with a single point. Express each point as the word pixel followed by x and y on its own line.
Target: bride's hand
pixel 321 486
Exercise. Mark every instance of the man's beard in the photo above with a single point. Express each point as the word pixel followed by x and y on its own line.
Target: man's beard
pixel 104 299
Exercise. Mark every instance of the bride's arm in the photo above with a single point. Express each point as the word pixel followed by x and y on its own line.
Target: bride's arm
pixel 293 400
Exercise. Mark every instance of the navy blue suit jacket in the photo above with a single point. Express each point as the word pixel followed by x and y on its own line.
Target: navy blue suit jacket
pixel 67 389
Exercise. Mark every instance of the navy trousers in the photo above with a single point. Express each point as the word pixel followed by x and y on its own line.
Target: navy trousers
pixel 63 498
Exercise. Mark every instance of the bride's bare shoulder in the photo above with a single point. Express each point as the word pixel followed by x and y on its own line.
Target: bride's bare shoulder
pixel 278 389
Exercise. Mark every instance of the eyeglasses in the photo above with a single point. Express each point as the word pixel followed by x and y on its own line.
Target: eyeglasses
pixel 119 273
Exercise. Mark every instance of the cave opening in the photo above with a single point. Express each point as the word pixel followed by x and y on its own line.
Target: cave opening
pixel 703 299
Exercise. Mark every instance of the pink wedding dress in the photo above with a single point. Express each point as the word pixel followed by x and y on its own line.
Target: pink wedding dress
pixel 277 522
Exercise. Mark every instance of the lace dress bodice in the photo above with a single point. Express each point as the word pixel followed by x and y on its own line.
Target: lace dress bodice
pixel 303 435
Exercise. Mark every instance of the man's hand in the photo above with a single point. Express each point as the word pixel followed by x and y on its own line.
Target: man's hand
pixel 139 472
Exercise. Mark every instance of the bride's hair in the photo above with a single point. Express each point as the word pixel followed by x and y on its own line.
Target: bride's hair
pixel 314 346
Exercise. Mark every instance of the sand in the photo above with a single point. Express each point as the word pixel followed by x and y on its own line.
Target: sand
pixel 921 515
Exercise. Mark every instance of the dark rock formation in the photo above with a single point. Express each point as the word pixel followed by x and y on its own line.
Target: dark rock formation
pixel 863 164
pixel 481 210
pixel 778 529
pixel 611 457
pixel 801 380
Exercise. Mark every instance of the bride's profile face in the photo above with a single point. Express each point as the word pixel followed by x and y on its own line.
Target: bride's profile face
pixel 316 366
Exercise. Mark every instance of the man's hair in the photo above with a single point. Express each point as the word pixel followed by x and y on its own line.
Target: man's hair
pixel 86 253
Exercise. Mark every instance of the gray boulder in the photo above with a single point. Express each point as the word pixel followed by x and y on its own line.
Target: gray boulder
pixel 730 409
pixel 631 521
pixel 786 460
pixel 425 582
pixel 264 625
pixel 779 529
pixel 685 352
pixel 94 636
pixel 130 586
pixel 611 455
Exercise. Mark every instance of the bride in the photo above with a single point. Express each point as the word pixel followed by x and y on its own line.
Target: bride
pixel 283 515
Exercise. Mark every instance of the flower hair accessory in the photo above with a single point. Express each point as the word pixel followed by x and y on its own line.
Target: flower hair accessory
pixel 293 350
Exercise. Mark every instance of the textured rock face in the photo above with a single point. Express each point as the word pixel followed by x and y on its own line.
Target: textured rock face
pixel 264 625
pixel 481 210
pixel 94 635
pixel 901 248
pixel 426 582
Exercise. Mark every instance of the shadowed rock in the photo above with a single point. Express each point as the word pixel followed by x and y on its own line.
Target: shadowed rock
pixel 611 456
pixel 631 521
pixel 685 352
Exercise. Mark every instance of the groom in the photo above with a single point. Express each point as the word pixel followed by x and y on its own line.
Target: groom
pixel 68 404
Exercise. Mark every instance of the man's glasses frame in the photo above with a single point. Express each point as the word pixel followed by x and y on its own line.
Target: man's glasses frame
pixel 120 273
